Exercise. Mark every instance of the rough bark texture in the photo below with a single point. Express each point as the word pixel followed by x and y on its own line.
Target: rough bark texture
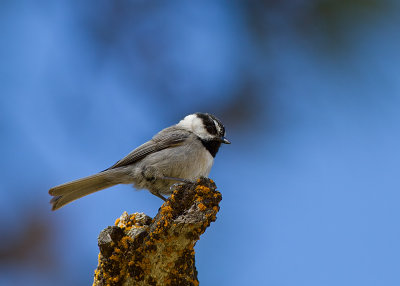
pixel 140 250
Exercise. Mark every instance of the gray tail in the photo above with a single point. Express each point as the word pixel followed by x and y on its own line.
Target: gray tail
pixel 71 191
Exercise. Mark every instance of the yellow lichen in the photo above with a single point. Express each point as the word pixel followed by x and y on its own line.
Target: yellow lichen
pixel 124 241
pixel 202 207
pixel 166 209
pixel 114 257
pixel 117 221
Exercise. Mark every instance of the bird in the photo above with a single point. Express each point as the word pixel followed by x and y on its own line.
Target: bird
pixel 177 154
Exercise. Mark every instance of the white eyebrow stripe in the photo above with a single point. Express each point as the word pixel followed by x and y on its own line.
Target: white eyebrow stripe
pixel 217 126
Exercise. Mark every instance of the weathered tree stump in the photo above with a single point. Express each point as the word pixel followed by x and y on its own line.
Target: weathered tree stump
pixel 139 250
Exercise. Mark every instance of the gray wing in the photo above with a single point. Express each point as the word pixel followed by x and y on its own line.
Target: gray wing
pixel 167 138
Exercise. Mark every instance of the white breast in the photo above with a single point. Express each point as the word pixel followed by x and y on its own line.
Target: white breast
pixel 205 165
pixel 198 162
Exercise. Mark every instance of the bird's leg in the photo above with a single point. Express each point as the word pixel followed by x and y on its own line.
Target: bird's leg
pixel 173 186
pixel 157 194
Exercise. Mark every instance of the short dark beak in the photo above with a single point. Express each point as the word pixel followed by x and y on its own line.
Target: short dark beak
pixel 225 141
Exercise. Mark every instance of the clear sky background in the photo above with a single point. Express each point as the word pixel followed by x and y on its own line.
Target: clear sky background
pixel 309 92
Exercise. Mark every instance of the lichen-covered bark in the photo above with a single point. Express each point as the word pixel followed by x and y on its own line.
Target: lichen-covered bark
pixel 139 250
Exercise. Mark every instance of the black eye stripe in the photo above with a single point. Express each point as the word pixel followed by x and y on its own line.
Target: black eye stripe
pixel 209 124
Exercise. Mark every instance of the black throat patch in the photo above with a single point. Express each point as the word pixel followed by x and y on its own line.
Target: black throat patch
pixel 211 145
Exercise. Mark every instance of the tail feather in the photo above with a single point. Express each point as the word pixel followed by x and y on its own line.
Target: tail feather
pixel 68 192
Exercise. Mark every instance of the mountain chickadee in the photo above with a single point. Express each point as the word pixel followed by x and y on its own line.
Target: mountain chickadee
pixel 180 153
